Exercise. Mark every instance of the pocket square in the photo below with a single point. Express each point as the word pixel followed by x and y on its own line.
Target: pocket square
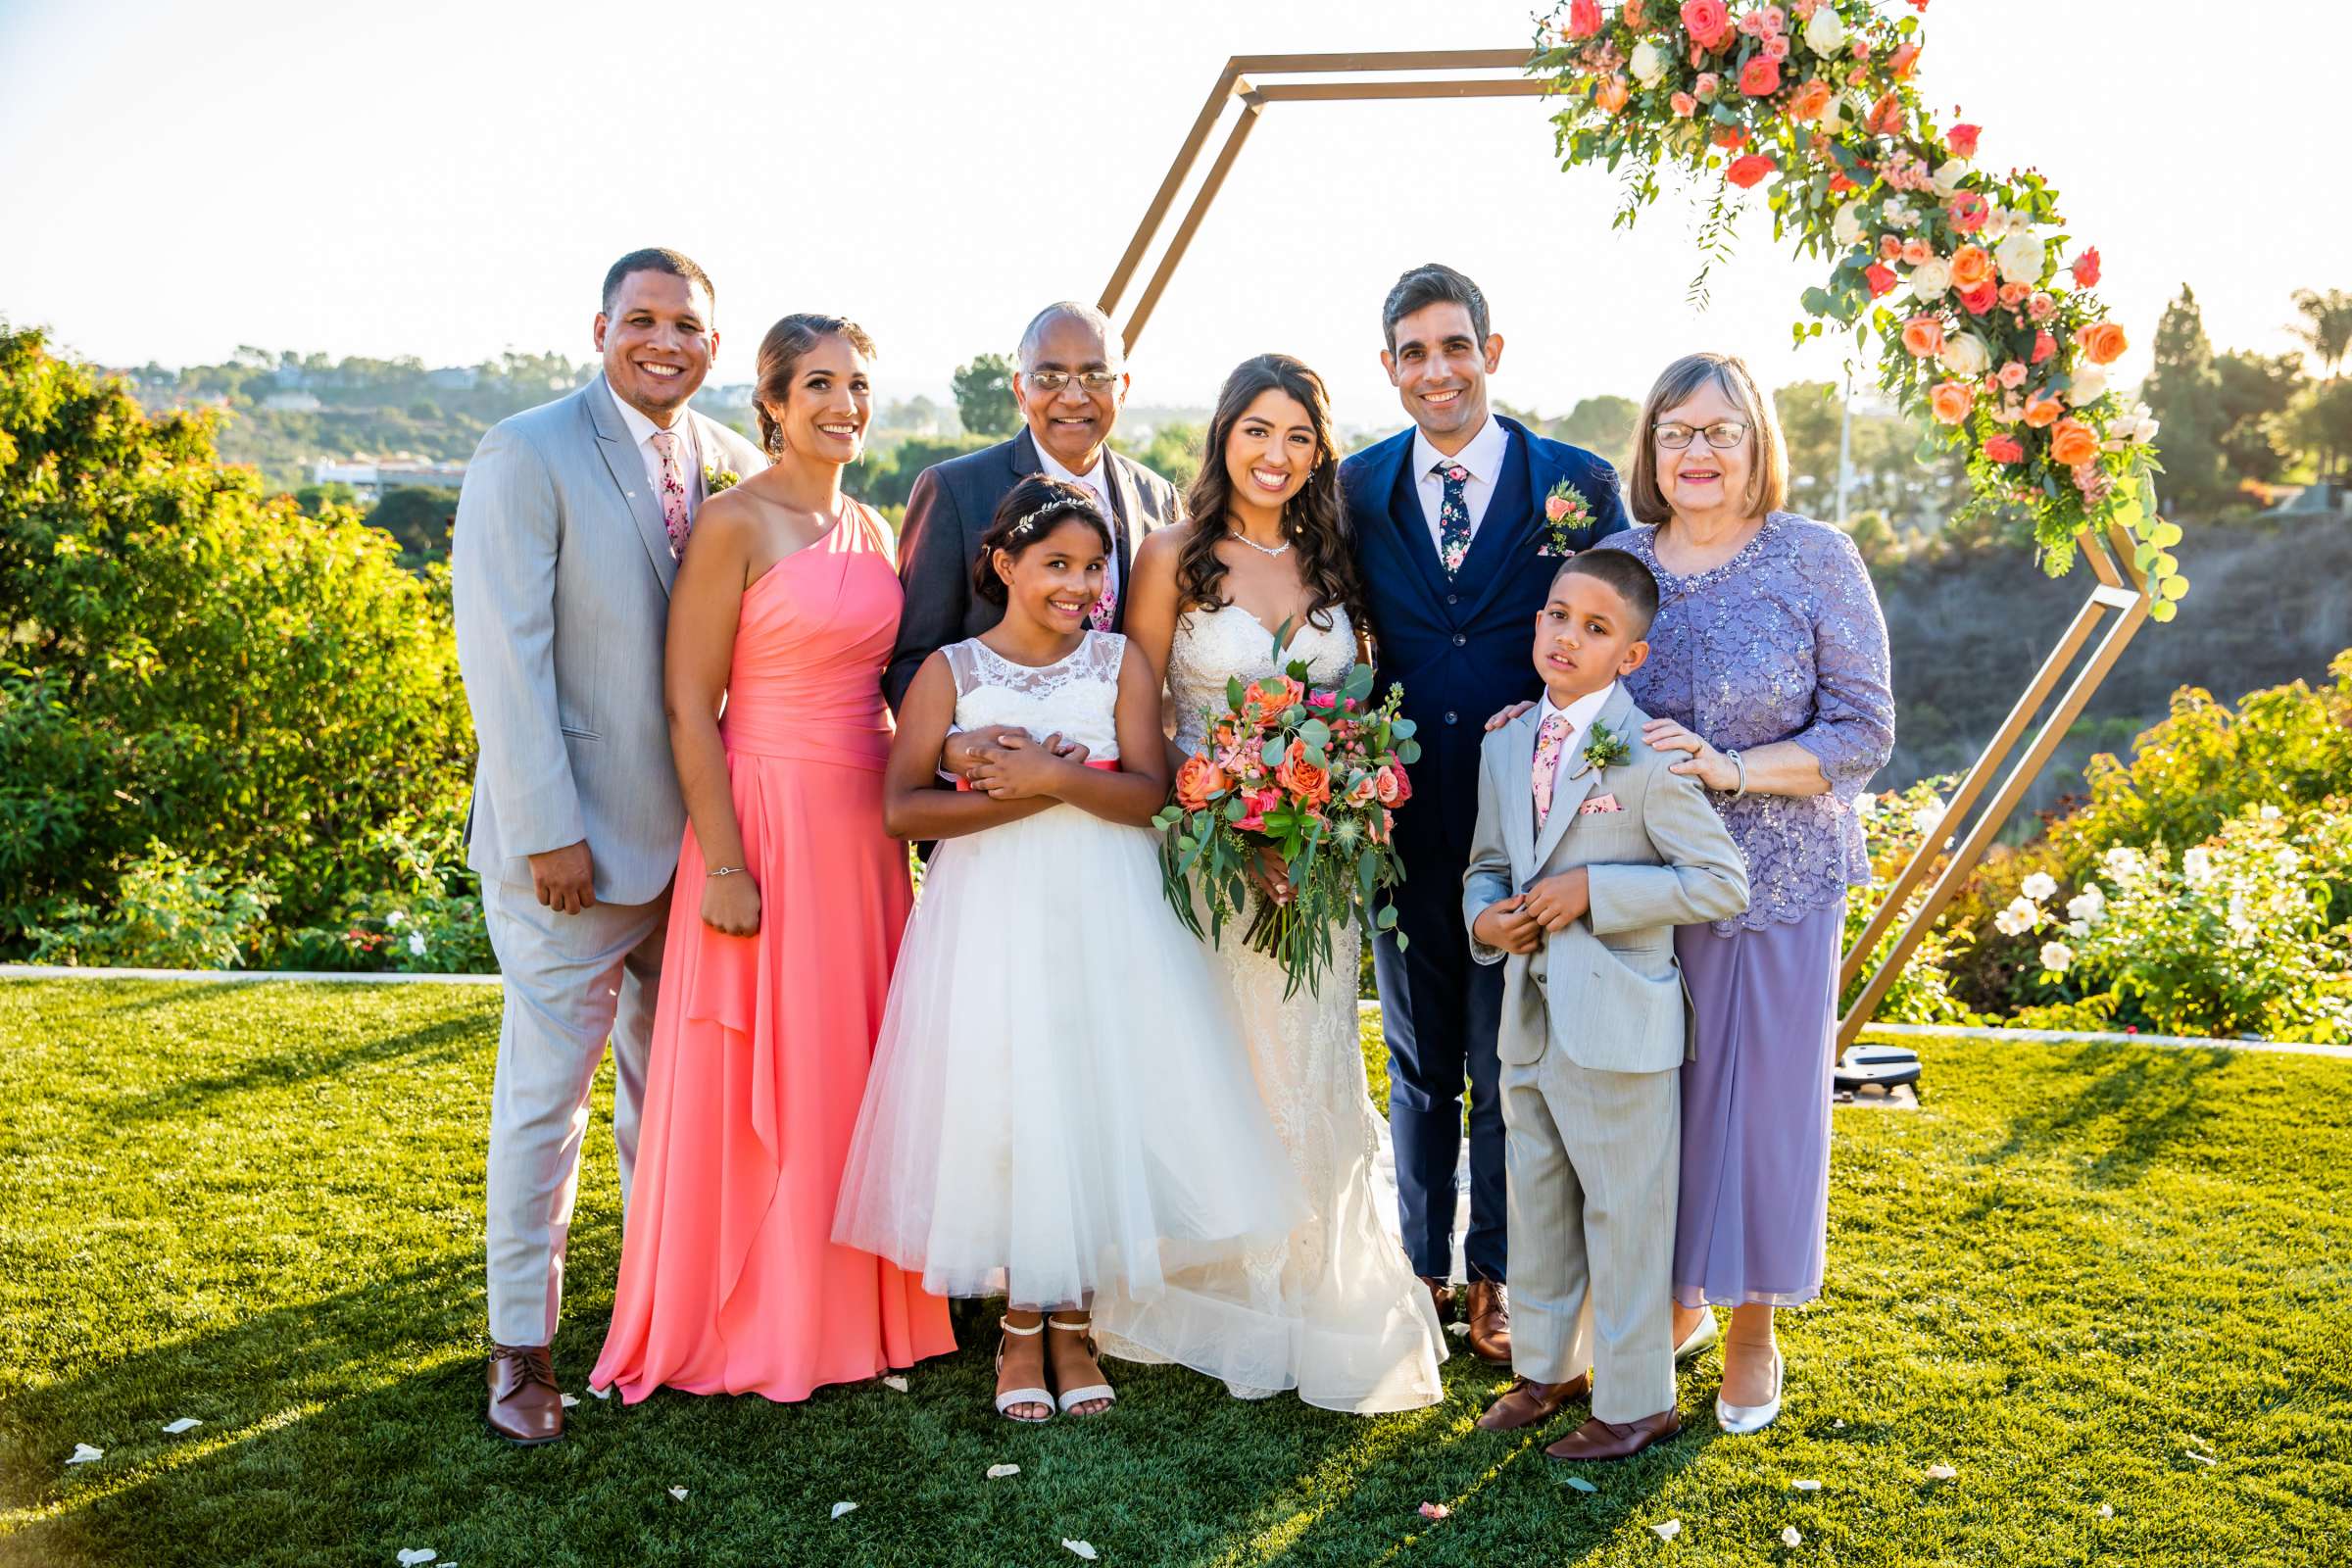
pixel 1598 805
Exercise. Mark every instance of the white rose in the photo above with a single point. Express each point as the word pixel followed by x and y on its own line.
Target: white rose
pixel 2122 863
pixel 417 943
pixel 2021 257
pixel 2056 956
pixel 2270 813
pixel 1846 227
pixel 1824 34
pixel 1966 354
pixel 1930 279
pixel 2086 906
pixel 2196 865
pixel 1648 63
pixel 395 918
pixel 2087 385
pixel 2038 887
pixel 1947 178
pixel 2020 917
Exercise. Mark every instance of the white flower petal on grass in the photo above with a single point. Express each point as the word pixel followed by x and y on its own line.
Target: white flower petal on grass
pixel 1459 1330
pixel 2106 1510
pixel 841 1508
pixel 411 1556
pixel 895 1382
pixel 679 1493
pixel 1789 1537
pixel 1837 1425
pixel 84 1454
pixel 1079 1549
pixel 1667 1531
pixel 571 1399
pixel 186 1423
pixel 2201 1458
pixel 1806 1485
pixel 1941 1472
pixel 998 1472
pixel 602 1394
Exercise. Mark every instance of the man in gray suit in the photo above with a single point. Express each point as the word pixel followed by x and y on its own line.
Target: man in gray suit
pixel 569 527
pixel 1589 850
pixel 1070 383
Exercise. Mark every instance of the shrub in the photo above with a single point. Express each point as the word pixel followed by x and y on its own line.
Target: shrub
pixel 1895 824
pixel 166 913
pixel 427 920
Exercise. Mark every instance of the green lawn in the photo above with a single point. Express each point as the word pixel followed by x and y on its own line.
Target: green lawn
pixel 2075 1271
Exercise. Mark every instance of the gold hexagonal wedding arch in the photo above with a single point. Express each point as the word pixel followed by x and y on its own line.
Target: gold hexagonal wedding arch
pixel 2118 605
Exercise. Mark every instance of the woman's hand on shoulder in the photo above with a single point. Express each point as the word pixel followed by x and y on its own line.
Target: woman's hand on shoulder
pixel 1506 716
pixel 1705 763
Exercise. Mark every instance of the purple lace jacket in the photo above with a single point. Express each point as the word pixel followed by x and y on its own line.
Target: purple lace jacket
pixel 1782 642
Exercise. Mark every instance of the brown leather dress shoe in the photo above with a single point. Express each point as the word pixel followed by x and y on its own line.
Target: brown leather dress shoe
pixel 1488 1311
pixel 527 1409
pixel 1612 1440
pixel 1527 1403
pixel 1440 1295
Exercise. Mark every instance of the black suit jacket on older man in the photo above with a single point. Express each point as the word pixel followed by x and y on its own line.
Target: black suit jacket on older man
pixel 953 505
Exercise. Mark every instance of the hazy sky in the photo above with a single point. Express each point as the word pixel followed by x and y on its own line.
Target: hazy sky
pixel 450 179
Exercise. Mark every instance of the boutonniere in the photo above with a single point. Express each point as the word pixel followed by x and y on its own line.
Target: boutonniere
pixel 1604 749
pixel 716 479
pixel 1566 513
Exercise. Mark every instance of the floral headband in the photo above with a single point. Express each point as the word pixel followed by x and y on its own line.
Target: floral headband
pixel 1059 505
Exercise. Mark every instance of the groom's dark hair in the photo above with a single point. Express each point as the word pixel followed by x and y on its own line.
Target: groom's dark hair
pixel 657 260
pixel 1432 283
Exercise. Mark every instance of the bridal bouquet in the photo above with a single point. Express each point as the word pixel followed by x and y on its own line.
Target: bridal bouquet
pixel 1313 773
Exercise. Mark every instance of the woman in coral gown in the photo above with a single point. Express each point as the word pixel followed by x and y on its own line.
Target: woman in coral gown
pixel 784 924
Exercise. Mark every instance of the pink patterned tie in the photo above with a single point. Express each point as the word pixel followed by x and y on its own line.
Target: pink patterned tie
pixel 1549 740
pixel 675 516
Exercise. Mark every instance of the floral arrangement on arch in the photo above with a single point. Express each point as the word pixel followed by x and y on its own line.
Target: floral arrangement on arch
pixel 1986 323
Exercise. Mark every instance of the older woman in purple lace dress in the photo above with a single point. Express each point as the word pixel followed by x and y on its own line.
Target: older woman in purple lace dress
pixel 1768 665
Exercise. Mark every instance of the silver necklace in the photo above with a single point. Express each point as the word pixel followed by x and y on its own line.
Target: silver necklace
pixel 1282 549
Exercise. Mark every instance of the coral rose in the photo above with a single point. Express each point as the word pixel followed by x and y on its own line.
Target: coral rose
pixel 1584 18
pixel 1879 279
pixel 1968 212
pixel 1684 104
pixel 1951 401
pixel 1812 100
pixel 1962 140
pixel 2072 443
pixel 1972 264
pixel 2044 346
pixel 2042 410
pixel 1984 296
pixel 1707 21
pixel 1760 77
pixel 1199 782
pixel 1923 337
pixel 2086 268
pixel 1749 171
pixel 1260 802
pixel 1307 782
pixel 2005 449
pixel 2103 341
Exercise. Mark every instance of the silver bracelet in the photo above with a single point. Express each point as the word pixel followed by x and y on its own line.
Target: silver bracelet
pixel 1739 762
pixel 725 870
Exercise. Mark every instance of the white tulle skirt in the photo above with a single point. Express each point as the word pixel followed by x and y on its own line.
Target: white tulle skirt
pixel 1060 1101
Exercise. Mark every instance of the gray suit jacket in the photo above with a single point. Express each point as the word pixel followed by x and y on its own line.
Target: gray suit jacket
pixel 939 541
pixel 561 572
pixel 1607 990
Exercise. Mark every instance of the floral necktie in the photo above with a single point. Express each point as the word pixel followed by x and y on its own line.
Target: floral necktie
pixel 674 517
pixel 1550 740
pixel 1107 608
pixel 1454 517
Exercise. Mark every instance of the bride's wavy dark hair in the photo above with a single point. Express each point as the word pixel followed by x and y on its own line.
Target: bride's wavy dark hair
pixel 1314 521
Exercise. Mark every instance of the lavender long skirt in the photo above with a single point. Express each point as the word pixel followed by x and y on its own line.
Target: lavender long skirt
pixel 1753 1217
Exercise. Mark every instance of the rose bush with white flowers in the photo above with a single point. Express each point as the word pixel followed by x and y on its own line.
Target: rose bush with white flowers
pixel 1986 311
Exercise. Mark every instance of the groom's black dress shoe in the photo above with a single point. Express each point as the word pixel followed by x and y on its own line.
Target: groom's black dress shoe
pixel 527 1409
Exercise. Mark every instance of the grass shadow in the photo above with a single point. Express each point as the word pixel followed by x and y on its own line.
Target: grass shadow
pixel 2137 1104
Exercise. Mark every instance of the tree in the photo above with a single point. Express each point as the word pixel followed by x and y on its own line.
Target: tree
pixel 418 518
pixel 1173 453
pixel 2319 426
pixel 2253 394
pixel 2184 392
pixel 1602 426
pixel 984 399
pixel 2326 325
pixel 193 666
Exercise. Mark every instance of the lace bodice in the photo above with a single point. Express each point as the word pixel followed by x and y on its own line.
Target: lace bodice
pixel 1076 698
pixel 1212 645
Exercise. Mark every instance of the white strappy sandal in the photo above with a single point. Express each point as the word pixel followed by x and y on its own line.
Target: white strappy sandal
pixel 1007 1401
pixel 1093 1391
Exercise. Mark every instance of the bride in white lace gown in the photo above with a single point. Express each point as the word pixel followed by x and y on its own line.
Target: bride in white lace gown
pixel 1333 1309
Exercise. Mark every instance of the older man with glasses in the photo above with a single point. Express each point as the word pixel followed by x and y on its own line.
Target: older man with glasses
pixel 1071 382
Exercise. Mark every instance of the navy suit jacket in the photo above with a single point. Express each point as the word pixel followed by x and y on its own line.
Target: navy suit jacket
pixel 1462 647
pixel 939 541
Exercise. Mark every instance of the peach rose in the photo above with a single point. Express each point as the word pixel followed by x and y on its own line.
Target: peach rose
pixel 1682 105
pixel 1198 781
pixel 1951 401
pixel 1812 100
pixel 1391 786
pixel 2042 410
pixel 1306 781
pixel 2072 443
pixel 2103 341
pixel 1611 95
pixel 1904 61
pixel 1971 265
pixel 1366 791
pixel 1271 695
pixel 1923 337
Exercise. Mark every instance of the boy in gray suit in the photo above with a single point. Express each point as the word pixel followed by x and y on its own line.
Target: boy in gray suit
pixel 1588 851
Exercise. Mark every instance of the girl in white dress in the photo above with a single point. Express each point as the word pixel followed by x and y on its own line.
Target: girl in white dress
pixel 1059 1101
pixel 1332 1308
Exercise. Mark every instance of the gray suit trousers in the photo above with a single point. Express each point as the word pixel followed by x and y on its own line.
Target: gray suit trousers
pixel 572 981
pixel 1594 1162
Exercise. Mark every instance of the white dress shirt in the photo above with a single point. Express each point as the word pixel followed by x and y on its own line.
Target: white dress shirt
pixel 1483 458
pixel 1581 716
pixel 1097 486
pixel 642 431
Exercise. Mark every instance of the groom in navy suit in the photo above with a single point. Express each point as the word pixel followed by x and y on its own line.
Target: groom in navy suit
pixel 1456 553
